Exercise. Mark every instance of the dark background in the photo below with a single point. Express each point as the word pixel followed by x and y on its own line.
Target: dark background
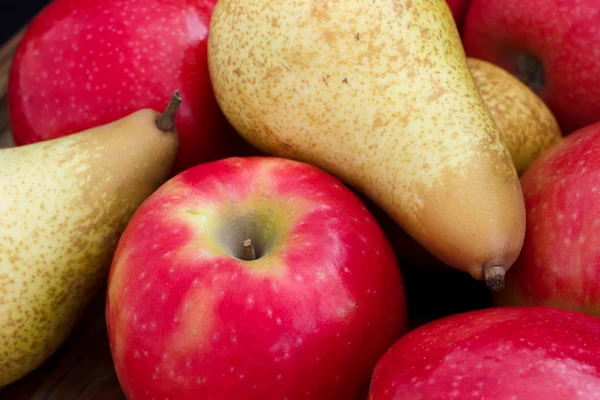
pixel 16 13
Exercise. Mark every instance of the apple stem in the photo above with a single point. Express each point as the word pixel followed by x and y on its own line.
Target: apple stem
pixel 494 276
pixel 166 121
pixel 249 251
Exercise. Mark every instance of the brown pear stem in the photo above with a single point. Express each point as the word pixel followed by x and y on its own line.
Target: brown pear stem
pixel 249 251
pixel 166 121
pixel 494 276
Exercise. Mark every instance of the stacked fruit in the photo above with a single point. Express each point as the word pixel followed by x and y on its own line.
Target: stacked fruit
pixel 259 232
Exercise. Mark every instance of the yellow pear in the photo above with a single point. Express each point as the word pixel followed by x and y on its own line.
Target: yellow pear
pixel 63 206
pixel 527 125
pixel 379 94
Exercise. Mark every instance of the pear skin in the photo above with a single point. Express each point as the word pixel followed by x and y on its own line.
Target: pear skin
pixel 63 206
pixel 527 125
pixel 380 95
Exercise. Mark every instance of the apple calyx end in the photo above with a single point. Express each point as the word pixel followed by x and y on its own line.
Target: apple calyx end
pixel 166 121
pixel 249 251
pixel 494 276
pixel 530 71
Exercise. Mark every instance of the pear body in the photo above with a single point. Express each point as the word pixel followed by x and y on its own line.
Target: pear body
pixel 63 206
pixel 380 95
pixel 527 125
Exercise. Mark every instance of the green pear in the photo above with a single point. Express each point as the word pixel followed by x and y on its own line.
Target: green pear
pixel 379 94
pixel 63 206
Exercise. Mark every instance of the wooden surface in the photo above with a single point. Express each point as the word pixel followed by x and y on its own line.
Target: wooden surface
pixel 82 368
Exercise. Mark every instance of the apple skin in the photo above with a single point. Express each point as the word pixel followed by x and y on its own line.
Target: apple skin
pixel 307 319
pixel 497 354
pixel 559 264
pixel 84 63
pixel 459 10
pixel 554 36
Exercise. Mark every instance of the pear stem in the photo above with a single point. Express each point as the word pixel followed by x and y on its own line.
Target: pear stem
pixel 494 276
pixel 166 121
pixel 249 251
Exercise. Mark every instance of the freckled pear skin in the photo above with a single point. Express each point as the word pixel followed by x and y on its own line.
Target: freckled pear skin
pixel 527 125
pixel 380 95
pixel 63 205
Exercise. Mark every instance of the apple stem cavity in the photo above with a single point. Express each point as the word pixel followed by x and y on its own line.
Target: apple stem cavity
pixel 249 251
pixel 166 121
pixel 494 276
pixel 530 71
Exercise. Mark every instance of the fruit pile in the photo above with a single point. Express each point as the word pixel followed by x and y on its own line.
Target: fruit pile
pixel 293 199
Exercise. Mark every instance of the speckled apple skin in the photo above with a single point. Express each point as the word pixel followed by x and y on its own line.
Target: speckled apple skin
pixel 63 205
pixel 83 63
pixel 307 320
pixel 563 35
pixel 559 265
pixel 503 353
pixel 380 95
pixel 527 125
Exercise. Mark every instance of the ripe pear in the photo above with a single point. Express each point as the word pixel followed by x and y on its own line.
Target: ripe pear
pixel 63 206
pixel 527 125
pixel 380 95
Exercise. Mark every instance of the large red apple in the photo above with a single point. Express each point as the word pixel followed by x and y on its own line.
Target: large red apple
pixel 503 353
pixel 552 45
pixel 559 264
pixel 83 63
pixel 191 316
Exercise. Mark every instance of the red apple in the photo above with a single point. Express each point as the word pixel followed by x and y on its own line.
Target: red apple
pixel 84 63
pixel 499 353
pixel 459 10
pixel 559 264
pixel 191 316
pixel 552 45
